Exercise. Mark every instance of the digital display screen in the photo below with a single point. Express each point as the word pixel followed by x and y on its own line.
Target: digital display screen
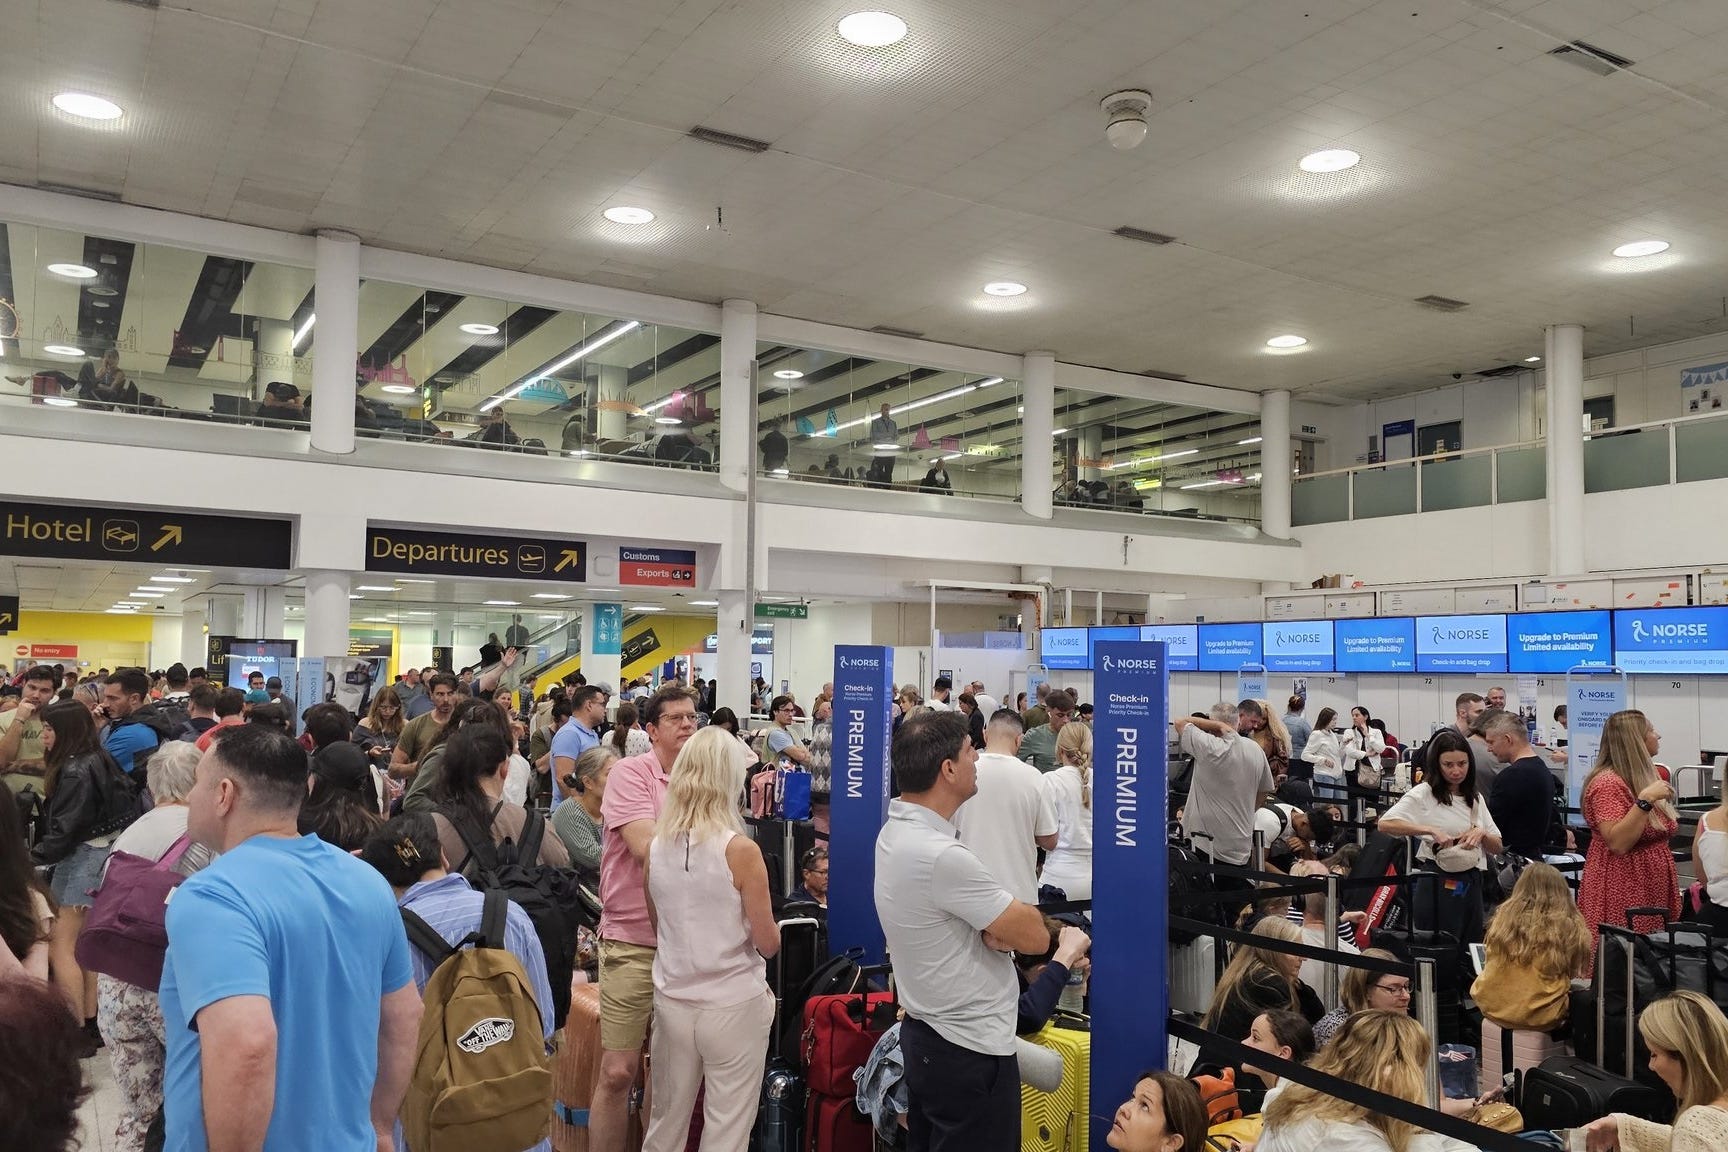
pixel 1461 643
pixel 1375 644
pixel 1181 644
pixel 1554 642
pixel 1064 648
pixel 1226 647
pixel 1297 645
pixel 1130 632
pixel 1673 641
pixel 248 656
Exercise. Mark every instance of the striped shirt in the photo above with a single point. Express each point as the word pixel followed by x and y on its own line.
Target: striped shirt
pixel 452 907
pixel 1346 930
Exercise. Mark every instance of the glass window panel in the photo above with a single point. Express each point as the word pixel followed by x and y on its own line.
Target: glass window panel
pixel 1120 454
pixel 1320 499
pixel 1523 474
pixel 1637 459
pixel 1386 491
pixel 1701 450
pixel 1462 482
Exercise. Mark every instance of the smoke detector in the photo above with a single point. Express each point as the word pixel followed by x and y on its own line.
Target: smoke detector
pixel 1125 117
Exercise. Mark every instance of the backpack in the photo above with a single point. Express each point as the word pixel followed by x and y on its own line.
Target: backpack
pixel 1217 1086
pixel 482 1080
pixel 1190 895
pixel 553 897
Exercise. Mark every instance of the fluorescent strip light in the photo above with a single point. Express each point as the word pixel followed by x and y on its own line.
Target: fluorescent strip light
pixel 1202 484
pixel 704 603
pixel 646 608
pixel 305 329
pixel 551 596
pixel 375 588
pixel 1250 440
pixel 994 380
pixel 1155 459
pixel 1058 431
pixel 173 580
pixel 151 595
pixel 910 405
pixel 503 603
pixel 592 346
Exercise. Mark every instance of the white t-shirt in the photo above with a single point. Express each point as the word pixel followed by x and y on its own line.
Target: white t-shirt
pixel 516 780
pixel 1069 867
pixel 986 705
pixel 1454 818
pixel 1313 971
pixel 999 823
pixel 1339 1136
pixel 1269 826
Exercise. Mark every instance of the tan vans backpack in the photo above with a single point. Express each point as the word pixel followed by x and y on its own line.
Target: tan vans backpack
pixel 482 1080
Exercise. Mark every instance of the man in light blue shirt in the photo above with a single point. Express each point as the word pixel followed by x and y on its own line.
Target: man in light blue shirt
pixel 587 711
pixel 287 994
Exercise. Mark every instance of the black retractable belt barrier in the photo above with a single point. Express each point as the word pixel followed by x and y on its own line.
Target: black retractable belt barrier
pixel 1058 907
pixel 1306 951
pixel 1487 1139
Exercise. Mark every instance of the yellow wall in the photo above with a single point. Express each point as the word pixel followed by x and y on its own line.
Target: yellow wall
pixel 678 635
pixel 103 641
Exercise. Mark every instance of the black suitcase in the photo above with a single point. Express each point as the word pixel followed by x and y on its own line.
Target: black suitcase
pixel 1570 1092
pixel 780 1119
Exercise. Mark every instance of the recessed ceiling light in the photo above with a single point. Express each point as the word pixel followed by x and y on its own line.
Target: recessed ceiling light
pixel 375 588
pixel 120 611
pixel 355 596
pixel 1004 288
pixel 1286 341
pixel 419 612
pixel 886 447
pixel 704 603
pixel 625 215
pixel 1532 359
pixel 1641 248
pixel 602 589
pixel 480 329
pixel 151 595
pixel 503 603
pixel 173 580
pixel 667 420
pixel 62 350
pixel 872 29
pixel 551 596
pixel 73 271
pixel 788 374
pixel 646 608
pixel 60 401
pixel 87 107
pixel 374 619
pixel 158 589
pixel 400 389
pixel 413 580
pixel 1330 160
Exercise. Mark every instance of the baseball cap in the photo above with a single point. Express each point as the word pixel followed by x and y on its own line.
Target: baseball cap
pixel 257 696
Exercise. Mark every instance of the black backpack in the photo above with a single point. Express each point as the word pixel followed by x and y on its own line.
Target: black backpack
pixel 1190 895
pixel 554 898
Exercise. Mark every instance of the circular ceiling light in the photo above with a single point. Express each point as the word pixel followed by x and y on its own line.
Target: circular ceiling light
pixel 1330 160
pixel 480 329
pixel 87 107
pixel 1641 248
pixel 625 215
pixel 1004 288
pixel 62 350
pixel 788 374
pixel 73 271
pixel 1532 359
pixel 1287 341
pixel 400 389
pixel 667 420
pixel 872 29
pixel 60 401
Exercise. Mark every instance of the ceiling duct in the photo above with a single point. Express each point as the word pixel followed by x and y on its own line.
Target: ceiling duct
pixel 1442 303
pixel 1503 370
pixel 889 330
pixel 75 190
pixel 1128 232
pixel 1598 61
pixel 728 140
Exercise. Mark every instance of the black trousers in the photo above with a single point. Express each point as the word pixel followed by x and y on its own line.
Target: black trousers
pixel 959 1100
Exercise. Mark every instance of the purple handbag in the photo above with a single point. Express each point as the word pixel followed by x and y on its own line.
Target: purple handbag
pixel 126 930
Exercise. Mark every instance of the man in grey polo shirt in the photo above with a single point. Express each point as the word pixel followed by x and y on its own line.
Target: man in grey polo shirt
pixel 1231 780
pixel 949 927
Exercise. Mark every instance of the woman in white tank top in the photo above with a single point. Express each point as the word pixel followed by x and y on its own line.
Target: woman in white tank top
pixel 1710 866
pixel 708 899
pixel 1069 865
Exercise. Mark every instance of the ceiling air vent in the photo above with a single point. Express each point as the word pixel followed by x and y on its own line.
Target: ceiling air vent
pixel 888 330
pixel 75 190
pixel 1159 374
pixel 1503 370
pixel 1590 58
pixel 1128 232
pixel 142 3
pixel 1442 303
pixel 727 140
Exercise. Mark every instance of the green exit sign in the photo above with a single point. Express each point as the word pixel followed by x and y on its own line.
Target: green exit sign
pixel 782 611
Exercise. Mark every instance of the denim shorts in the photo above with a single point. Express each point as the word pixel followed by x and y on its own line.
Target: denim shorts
pixel 77 876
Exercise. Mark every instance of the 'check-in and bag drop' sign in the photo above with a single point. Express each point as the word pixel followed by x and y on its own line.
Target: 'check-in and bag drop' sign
pixel 163 537
pixel 417 552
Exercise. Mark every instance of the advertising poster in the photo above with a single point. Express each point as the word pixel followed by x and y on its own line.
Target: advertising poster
pixel 1590 700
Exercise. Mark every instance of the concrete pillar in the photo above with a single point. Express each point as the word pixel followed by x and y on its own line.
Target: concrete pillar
pixel 336 303
pixel 272 355
pixel 737 413
pixel 1091 451
pixel 602 643
pixel 610 418
pixel 192 622
pixel 733 624
pixel 1565 422
pixel 327 614
pixel 262 611
pixel 1038 388
pixel 1275 457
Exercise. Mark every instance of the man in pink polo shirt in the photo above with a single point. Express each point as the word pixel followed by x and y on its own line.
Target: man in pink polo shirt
pixel 635 790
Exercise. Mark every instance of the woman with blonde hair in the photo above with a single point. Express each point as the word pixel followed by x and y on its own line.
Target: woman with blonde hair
pixel 1384 1051
pixel 1260 980
pixel 1069 865
pixel 1688 1039
pixel 1274 741
pixel 708 901
pixel 1631 815
pixel 1536 942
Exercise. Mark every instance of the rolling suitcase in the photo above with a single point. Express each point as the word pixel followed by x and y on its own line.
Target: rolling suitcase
pixel 839 1033
pixel 576 1070
pixel 1059 1121
pixel 780 1115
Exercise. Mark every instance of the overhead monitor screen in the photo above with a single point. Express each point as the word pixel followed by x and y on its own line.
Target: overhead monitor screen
pixel 1226 647
pixel 1064 648
pixel 1675 641
pixel 1181 644
pixel 1553 642
pixel 1461 643
pixel 1297 645
pixel 1375 644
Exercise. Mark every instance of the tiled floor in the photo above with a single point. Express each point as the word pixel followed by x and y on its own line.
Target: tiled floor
pixel 101 1112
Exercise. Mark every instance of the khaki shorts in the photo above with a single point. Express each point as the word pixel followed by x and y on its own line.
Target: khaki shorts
pixel 626 995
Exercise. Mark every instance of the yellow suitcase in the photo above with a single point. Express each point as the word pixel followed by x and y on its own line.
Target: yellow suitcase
pixel 1059 1121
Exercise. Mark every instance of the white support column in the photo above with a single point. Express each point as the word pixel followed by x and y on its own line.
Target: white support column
pixel 262 611
pixel 1275 457
pixel 192 622
pixel 1565 434
pixel 610 418
pixel 733 624
pixel 602 662
pixel 1038 387
pixel 1091 451
pixel 737 413
pixel 272 355
pixel 223 616
pixel 336 350
pixel 327 614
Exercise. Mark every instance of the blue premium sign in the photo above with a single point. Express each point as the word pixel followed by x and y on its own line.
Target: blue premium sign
pixel 1461 643
pixel 1548 643
pixel 1226 647
pixel 1297 645
pixel 1130 868
pixel 1677 641
pixel 863 726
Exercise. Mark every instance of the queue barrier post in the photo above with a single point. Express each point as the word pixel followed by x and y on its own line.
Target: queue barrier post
pixel 1329 972
pixel 1427 1016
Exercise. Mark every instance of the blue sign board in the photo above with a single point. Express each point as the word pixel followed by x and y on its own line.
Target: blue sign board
pixel 863 727
pixel 1549 643
pixel 1064 648
pixel 1130 871
pixel 1226 647
pixel 1297 645
pixel 1114 632
pixel 1461 643
pixel 1181 644
pixel 1675 641
pixel 1375 644
pixel 608 629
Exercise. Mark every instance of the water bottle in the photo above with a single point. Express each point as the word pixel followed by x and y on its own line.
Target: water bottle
pixel 1073 998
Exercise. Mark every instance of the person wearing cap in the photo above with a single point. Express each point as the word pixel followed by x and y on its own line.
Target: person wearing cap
pixel 341 806
pixel 273 688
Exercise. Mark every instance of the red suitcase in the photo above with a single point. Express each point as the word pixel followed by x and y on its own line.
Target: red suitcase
pixel 839 1032
pixel 836 1125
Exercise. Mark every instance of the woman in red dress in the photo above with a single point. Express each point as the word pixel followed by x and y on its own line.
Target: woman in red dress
pixel 1630 811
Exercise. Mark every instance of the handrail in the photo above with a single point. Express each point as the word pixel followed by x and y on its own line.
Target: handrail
pixel 1449 454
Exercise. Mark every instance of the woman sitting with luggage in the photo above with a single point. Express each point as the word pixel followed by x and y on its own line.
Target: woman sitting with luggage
pixel 1688 1039
pixel 1163 1115
pixel 1630 811
pixel 1384 1051
pixel 1259 980
pixel 1364 991
pixel 1536 942
pixel 1710 866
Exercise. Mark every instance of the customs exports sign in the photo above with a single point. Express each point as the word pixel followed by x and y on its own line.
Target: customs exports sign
pixel 164 538
pixel 656 567
pixel 415 552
